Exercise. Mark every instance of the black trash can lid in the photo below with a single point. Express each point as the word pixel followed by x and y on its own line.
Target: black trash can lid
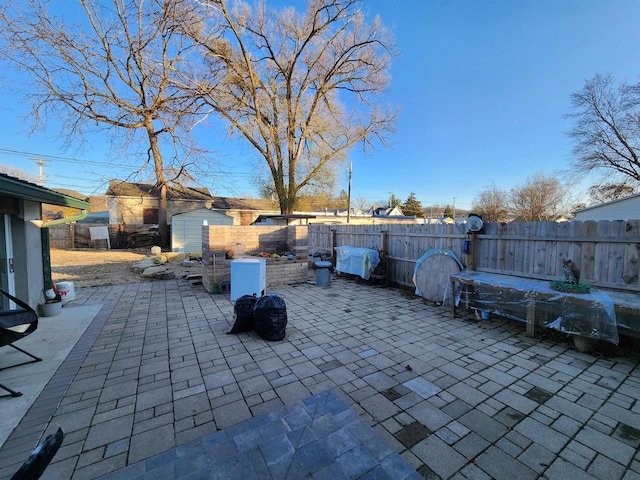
pixel 323 264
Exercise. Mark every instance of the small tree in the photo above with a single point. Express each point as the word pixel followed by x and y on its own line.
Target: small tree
pixel 362 203
pixel 492 203
pixel 412 206
pixel 342 200
pixel 394 201
pixel 540 199
pixel 448 212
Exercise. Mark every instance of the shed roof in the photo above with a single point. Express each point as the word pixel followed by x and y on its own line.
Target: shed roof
pixel 230 203
pixel 17 188
pixel 199 212
pixel 610 202
pixel 119 188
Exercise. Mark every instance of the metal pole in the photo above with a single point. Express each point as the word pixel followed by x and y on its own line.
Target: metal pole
pixel 349 194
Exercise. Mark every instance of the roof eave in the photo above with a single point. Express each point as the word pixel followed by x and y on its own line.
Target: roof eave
pixel 26 191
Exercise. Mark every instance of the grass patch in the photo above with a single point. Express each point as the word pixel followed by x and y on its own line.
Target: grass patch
pixel 571 287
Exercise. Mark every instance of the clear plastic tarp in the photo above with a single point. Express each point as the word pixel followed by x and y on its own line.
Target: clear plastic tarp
pixel 357 260
pixel 588 315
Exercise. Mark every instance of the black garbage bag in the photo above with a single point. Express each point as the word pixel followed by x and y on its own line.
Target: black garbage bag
pixel 243 314
pixel 270 316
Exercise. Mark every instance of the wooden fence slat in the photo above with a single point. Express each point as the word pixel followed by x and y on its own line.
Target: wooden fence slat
pixel 587 269
pixel 616 252
pixel 631 262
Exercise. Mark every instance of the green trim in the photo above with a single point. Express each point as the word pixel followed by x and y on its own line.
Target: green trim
pixel 13 187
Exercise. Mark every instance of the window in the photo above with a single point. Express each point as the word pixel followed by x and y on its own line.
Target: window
pixel 150 216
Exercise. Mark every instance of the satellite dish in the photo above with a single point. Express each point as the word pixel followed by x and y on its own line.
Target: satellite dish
pixel 474 224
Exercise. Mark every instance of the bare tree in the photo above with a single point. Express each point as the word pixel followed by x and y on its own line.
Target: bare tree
pixel 112 71
pixel 607 129
pixel 540 199
pixel 18 173
pixel 362 203
pixel 610 191
pixel 493 204
pixel 299 87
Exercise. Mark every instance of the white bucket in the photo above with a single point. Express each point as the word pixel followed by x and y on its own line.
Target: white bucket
pixel 66 291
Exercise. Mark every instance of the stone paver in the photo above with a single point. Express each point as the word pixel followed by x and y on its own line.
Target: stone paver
pixel 156 388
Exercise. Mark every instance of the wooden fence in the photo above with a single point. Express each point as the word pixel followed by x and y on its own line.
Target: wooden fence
pixel 607 253
pixel 77 235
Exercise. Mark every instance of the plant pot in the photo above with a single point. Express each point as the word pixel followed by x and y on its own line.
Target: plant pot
pixel 50 309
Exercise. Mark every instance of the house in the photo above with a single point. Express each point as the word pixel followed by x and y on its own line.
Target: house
pixel 25 266
pixel 244 211
pixel 137 203
pixel 388 212
pixel 626 208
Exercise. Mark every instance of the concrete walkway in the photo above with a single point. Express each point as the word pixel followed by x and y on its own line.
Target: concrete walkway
pixel 156 381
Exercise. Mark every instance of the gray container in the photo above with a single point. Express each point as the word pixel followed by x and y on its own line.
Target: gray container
pixel 323 273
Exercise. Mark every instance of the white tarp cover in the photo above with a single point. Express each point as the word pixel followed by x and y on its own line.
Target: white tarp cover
pixel 357 260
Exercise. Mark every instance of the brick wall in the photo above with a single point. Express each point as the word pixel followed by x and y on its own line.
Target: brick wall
pixel 247 240
pixel 286 272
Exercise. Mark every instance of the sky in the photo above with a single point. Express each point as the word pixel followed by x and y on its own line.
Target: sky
pixel 481 87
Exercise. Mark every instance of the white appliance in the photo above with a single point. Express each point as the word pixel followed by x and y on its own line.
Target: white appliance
pixel 248 277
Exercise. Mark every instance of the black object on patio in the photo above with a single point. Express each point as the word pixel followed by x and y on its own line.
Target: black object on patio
pixel 14 325
pixel 40 458
pixel 270 316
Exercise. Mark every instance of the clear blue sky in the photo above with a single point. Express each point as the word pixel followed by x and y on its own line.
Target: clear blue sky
pixel 481 88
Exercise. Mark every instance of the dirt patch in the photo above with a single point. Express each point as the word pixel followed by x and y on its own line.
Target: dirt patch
pixel 92 268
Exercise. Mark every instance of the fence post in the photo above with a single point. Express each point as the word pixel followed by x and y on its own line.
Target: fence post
pixel 472 252
pixel 383 249
pixel 333 244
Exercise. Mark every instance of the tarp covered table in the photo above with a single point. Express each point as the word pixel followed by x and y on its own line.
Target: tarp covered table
pixel 356 260
pixel 535 302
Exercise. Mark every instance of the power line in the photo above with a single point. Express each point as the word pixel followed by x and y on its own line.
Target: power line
pixel 47 158
pixel 54 157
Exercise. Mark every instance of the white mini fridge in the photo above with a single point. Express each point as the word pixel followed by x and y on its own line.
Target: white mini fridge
pixel 248 277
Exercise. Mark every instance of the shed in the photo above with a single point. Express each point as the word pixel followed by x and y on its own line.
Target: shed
pixel 186 228
pixel 626 208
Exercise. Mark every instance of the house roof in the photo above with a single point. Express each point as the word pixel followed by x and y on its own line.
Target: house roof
pixel 119 188
pixel 16 188
pixel 230 203
pixel 387 212
pixel 284 216
pixel 610 202
pixel 71 193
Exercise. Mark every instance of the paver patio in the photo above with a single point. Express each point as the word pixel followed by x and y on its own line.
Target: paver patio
pixel 155 388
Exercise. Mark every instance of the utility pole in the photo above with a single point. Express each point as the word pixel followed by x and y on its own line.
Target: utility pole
pixel 41 163
pixel 349 194
pixel 454 208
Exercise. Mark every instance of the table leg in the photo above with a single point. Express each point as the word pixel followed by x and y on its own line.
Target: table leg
pixel 531 317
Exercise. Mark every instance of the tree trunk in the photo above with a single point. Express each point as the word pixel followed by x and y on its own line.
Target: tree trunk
pixel 161 183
